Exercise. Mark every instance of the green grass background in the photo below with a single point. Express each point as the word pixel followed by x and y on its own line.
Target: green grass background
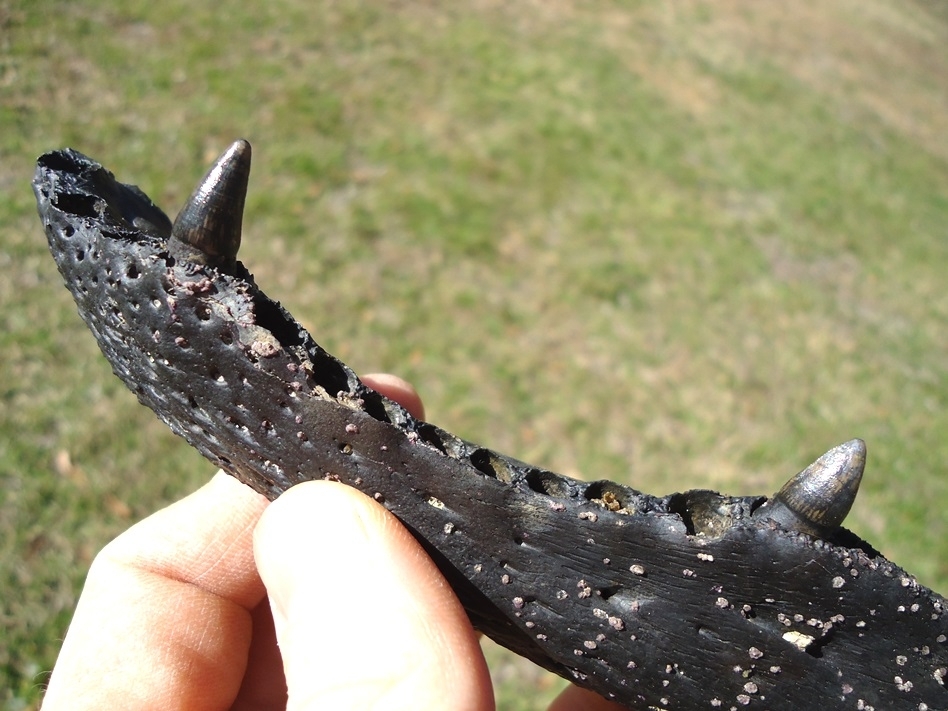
pixel 677 245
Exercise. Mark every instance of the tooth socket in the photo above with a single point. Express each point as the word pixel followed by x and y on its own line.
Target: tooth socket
pixel 209 225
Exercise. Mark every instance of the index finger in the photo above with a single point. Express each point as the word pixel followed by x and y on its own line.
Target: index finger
pixel 164 620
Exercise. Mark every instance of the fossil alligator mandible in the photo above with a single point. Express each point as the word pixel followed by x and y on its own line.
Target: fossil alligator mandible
pixel 690 601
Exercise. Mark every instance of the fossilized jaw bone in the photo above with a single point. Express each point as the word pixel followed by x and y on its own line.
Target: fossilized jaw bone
pixel 694 600
pixel 207 230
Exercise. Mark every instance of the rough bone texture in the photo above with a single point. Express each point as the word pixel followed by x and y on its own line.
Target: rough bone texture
pixel 681 602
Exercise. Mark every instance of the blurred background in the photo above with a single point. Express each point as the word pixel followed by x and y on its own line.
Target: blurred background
pixel 673 245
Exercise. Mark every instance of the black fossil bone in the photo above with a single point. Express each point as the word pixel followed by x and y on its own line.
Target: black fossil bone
pixel 689 601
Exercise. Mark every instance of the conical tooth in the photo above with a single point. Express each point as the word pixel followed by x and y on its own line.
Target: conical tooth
pixel 816 500
pixel 210 221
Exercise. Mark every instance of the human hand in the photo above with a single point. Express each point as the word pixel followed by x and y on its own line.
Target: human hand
pixel 320 600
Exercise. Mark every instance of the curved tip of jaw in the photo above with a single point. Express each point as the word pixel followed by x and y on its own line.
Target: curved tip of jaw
pixel 817 500
pixel 210 221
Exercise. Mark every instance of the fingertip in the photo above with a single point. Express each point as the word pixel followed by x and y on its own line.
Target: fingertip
pixel 573 698
pixel 310 530
pixel 397 389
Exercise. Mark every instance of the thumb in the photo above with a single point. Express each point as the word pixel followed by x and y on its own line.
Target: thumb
pixel 363 617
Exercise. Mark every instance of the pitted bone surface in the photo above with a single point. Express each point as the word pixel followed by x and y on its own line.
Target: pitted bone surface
pixel 689 601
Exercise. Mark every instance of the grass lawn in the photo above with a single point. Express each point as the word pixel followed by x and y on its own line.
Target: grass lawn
pixel 674 245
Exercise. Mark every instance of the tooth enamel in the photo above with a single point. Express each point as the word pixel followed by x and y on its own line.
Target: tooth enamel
pixel 210 221
pixel 817 500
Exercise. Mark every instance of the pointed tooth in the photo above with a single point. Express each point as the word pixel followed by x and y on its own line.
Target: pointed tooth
pixel 210 221
pixel 816 500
